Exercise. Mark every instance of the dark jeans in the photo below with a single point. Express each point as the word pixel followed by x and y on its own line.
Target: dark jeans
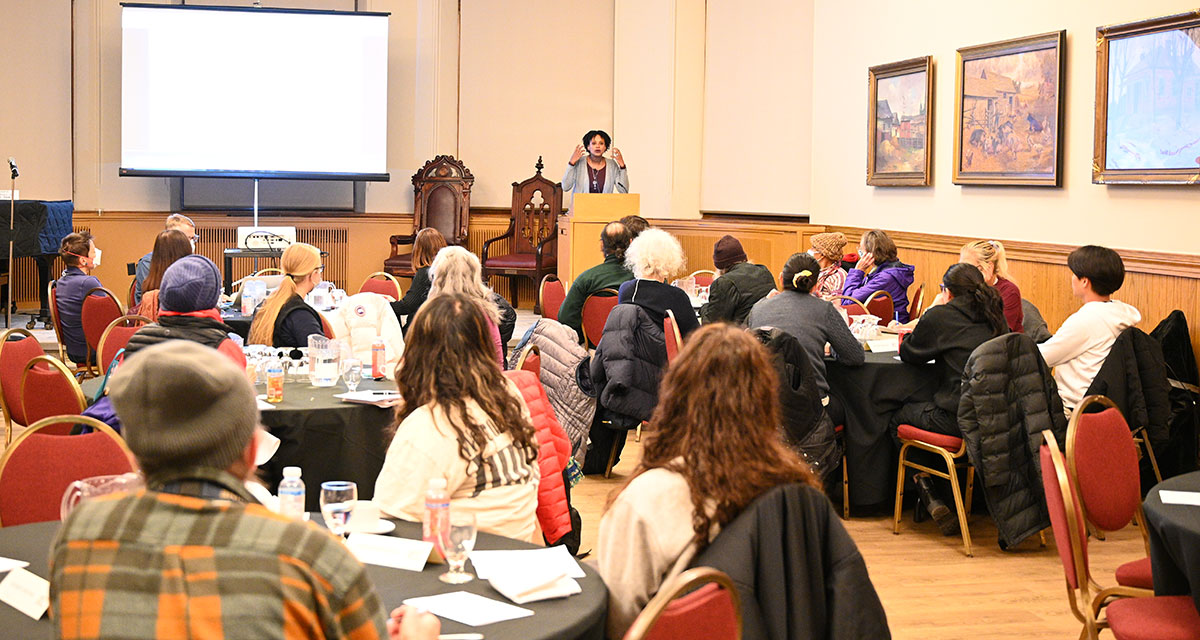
pixel 927 416
pixel 835 411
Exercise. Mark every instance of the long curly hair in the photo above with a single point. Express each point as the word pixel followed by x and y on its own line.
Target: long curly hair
pixel 717 424
pixel 448 360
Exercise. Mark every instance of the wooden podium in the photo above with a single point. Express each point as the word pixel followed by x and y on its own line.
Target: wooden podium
pixel 579 246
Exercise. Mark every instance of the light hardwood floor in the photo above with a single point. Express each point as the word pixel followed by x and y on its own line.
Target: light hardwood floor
pixel 929 589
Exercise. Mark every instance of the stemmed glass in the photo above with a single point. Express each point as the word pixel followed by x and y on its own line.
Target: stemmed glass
pixel 337 503
pixel 351 373
pixel 457 546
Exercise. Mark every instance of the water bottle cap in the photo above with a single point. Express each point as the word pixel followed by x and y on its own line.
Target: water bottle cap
pixel 294 472
pixel 437 483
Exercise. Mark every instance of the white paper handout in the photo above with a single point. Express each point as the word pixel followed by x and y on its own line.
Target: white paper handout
pixel 386 551
pixel 531 587
pixel 547 561
pixel 377 397
pixel 26 592
pixel 1179 497
pixel 883 346
pixel 8 564
pixel 468 608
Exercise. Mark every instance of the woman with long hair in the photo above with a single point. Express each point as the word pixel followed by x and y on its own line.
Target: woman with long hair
pixel 879 269
pixel 457 271
pixel 460 420
pixel 169 246
pixel 713 446
pixel 426 245
pixel 989 257
pixel 284 319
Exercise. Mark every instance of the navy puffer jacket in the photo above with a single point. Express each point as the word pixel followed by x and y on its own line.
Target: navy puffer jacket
pixel 629 362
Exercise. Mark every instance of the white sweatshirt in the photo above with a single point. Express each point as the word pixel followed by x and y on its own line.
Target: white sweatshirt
pixel 1078 349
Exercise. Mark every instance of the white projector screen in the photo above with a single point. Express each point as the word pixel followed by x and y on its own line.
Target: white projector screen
pixel 257 93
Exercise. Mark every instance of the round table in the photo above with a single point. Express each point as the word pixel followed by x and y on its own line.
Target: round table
pixel 1175 539
pixel 870 394
pixel 327 438
pixel 579 616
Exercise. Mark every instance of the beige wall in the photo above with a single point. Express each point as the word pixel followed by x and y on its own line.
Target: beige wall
pixel 851 36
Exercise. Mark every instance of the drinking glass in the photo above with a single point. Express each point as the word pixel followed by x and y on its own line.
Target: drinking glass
pixel 351 373
pixel 337 503
pixel 458 546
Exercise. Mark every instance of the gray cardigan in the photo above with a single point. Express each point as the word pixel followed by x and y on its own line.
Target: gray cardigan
pixel 575 179
pixel 813 322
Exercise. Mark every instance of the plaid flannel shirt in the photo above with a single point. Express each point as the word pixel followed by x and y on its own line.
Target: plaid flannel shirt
pixel 201 559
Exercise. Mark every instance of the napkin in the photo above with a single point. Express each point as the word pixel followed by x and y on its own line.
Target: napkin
pixel 533 586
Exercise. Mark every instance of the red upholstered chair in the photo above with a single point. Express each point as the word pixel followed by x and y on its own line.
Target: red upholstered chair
pixel 531 360
pixel 55 319
pixel 704 277
pixel 532 234
pixel 385 284
pixel 916 301
pixel 327 328
pixel 852 306
pixel 1102 461
pixel 951 449
pixel 880 305
pixel 48 389
pixel 36 469
pixel 100 308
pixel 14 355
pixel 713 611
pixel 130 303
pixel 1129 618
pixel 595 312
pixel 551 294
pixel 671 333
pixel 116 336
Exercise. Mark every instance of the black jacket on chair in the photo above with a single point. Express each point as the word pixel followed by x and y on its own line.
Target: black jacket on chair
pixel 1184 421
pixel 629 363
pixel 1134 377
pixel 1008 399
pixel 797 571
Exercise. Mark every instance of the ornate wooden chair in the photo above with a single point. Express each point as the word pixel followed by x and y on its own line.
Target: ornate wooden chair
pixel 442 200
pixel 532 234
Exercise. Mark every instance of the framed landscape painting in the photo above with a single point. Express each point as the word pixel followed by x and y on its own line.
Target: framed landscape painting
pixel 1008 112
pixel 900 123
pixel 1148 102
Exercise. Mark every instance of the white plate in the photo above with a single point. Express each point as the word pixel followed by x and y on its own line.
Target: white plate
pixel 381 527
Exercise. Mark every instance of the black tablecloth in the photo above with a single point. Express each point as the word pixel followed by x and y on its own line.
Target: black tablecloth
pixel 1175 539
pixel 238 322
pixel 870 394
pixel 579 616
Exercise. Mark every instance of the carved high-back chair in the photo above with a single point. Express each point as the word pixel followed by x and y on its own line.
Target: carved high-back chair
pixel 532 234
pixel 442 200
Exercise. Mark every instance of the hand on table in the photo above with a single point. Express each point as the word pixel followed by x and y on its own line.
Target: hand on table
pixel 407 623
pixel 866 262
pixel 618 157
pixel 579 151
pixel 942 298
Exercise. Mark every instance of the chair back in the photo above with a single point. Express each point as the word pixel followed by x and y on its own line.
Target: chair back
pixel 385 284
pixel 712 611
pixel 536 205
pixel 442 197
pixel 36 470
pixel 48 389
pixel 100 308
pixel 531 360
pixel 55 318
pixel 595 312
pixel 14 355
pixel 852 306
pixel 704 277
pixel 130 301
pixel 327 328
pixel 671 336
pixel 1066 517
pixel 917 301
pixel 880 305
pixel 1102 460
pixel 116 335
pixel 551 293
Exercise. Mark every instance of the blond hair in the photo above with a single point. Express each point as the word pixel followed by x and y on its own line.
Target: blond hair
pixel 980 252
pixel 655 253
pixel 456 270
pixel 298 261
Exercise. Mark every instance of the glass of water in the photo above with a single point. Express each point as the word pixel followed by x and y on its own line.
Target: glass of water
pixel 351 373
pixel 337 503
pixel 460 543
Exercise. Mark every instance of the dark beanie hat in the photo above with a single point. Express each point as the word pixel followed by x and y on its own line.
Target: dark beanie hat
pixel 193 283
pixel 727 252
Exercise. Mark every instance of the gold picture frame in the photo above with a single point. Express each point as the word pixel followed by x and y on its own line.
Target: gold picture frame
pixel 900 123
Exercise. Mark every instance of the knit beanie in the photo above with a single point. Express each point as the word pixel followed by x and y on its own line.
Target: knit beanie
pixel 830 245
pixel 727 252
pixel 183 405
pixel 193 283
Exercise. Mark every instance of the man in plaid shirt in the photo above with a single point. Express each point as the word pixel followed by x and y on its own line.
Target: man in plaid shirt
pixel 194 555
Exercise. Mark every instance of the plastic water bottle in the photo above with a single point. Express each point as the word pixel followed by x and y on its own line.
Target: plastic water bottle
pixel 435 525
pixel 378 358
pixel 275 381
pixel 291 494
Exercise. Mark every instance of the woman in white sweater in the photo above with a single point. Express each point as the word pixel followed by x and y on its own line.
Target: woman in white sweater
pixel 713 447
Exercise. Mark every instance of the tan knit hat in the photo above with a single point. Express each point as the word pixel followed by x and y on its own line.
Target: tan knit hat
pixel 830 245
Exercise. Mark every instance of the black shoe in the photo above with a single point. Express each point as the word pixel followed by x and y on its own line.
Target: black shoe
pixel 920 513
pixel 941 513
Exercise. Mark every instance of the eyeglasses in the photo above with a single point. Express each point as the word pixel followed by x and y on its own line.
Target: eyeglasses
pixel 942 287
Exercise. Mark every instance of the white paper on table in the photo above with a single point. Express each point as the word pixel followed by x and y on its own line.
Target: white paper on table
pixel 8 564
pixel 883 346
pixel 897 358
pixel 546 562
pixel 1179 497
pixel 386 551
pixel 26 592
pixel 531 587
pixel 468 608
pixel 263 405
pixel 379 398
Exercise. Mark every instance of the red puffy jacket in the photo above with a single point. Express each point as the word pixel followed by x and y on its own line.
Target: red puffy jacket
pixel 554 449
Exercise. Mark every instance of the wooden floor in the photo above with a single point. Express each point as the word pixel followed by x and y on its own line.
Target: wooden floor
pixel 929 589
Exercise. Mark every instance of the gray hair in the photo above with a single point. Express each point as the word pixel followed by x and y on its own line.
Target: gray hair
pixel 179 221
pixel 456 270
pixel 655 252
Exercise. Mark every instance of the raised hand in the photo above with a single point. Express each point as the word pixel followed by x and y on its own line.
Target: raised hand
pixel 866 262
pixel 579 150
pixel 618 157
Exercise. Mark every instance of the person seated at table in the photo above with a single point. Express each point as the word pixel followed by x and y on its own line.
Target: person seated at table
pixel 284 319
pixel 878 269
pixel 169 246
pixel 989 257
pixel 79 253
pixel 457 271
pixel 596 174
pixel 653 257
pixel 194 554
pixel 827 250
pixel 738 285
pixel 610 274
pixel 813 321
pixel 426 245
pixel 175 222
pixel 712 447
pixel 635 224
pixel 1080 346
pixel 462 420
pixel 187 302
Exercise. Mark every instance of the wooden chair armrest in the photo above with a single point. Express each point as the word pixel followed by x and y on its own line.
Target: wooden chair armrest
pixel 512 225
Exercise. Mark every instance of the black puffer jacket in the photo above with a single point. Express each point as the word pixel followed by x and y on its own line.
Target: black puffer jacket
pixel 1008 399
pixel 1134 377
pixel 629 362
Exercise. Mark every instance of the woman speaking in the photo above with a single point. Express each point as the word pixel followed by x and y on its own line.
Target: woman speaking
pixel 596 174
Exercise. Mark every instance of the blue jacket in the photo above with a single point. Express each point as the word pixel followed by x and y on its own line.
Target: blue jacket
pixel 894 277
